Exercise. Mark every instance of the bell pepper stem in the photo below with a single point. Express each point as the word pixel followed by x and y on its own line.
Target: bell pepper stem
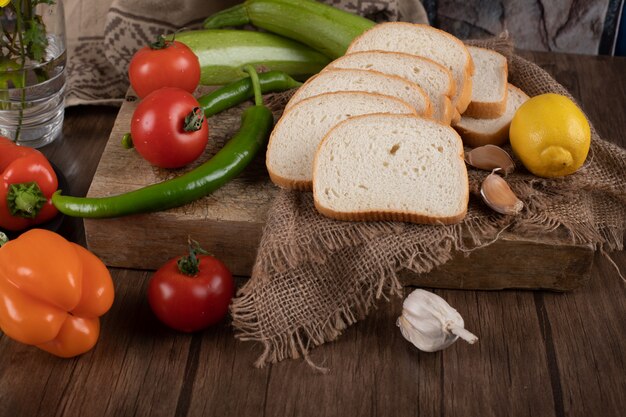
pixel 190 265
pixel 4 239
pixel 234 16
pixel 256 84
pixel 25 200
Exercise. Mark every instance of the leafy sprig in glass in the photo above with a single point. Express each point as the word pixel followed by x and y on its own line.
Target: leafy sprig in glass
pixel 32 76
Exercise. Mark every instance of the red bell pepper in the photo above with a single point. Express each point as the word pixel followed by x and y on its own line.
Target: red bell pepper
pixel 27 182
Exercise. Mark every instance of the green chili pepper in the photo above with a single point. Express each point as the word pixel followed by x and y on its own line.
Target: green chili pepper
pixel 239 91
pixel 230 161
pixel 322 27
pixel 222 54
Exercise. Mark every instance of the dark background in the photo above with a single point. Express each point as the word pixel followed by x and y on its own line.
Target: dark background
pixel 575 26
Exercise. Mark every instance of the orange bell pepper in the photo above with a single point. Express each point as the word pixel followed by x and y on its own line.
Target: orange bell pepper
pixel 52 293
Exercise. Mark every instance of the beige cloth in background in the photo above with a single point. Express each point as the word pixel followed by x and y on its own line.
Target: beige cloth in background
pixel 103 35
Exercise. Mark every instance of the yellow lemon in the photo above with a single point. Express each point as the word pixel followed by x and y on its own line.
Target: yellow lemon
pixel 4 2
pixel 550 135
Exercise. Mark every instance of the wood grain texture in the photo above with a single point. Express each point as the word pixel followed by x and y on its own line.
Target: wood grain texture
pixel 538 354
pixel 512 262
pixel 228 223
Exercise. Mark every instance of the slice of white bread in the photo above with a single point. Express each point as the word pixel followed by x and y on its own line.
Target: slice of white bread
pixel 479 132
pixel 391 167
pixel 428 42
pixel 300 130
pixel 489 84
pixel 368 81
pixel 435 80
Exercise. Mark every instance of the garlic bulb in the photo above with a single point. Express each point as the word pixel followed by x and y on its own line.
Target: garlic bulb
pixel 430 323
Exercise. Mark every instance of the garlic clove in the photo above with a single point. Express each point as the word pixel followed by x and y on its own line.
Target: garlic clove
pixel 430 323
pixel 490 157
pixel 497 194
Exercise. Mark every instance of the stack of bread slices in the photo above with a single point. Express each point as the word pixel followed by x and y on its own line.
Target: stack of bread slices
pixel 374 135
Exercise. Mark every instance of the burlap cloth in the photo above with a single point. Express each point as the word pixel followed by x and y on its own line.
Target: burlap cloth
pixel 314 276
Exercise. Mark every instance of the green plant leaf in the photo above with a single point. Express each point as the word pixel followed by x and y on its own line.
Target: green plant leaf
pixel 35 38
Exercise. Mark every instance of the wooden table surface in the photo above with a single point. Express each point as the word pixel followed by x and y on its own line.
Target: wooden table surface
pixel 539 354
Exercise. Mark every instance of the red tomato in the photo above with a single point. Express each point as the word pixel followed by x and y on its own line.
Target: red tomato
pixel 157 129
pixel 191 303
pixel 164 64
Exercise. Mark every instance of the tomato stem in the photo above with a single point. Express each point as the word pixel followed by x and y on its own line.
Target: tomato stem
pixel 4 239
pixel 190 265
pixel 25 200
pixel 193 121
pixel 160 43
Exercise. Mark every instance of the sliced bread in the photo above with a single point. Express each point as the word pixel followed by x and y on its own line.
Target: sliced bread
pixel 368 81
pixel 479 132
pixel 435 80
pixel 391 167
pixel 426 41
pixel 489 84
pixel 300 130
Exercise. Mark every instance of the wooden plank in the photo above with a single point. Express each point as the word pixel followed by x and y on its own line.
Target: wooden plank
pixel 373 372
pixel 125 363
pixel 512 262
pixel 225 383
pixel 493 378
pixel 77 153
pixel 587 329
pixel 229 224
pixel 138 367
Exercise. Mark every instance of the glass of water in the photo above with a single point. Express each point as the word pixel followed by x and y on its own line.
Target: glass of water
pixel 32 71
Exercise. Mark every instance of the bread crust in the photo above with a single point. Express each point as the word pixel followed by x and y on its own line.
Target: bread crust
pixel 305 185
pixel 392 215
pixel 451 90
pixel 475 139
pixel 427 112
pixel 456 117
pixel 448 111
pixel 465 96
pixel 290 184
pixel 482 110
pixel 490 110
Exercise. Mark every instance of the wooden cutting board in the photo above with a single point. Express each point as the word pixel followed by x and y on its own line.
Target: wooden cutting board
pixel 229 224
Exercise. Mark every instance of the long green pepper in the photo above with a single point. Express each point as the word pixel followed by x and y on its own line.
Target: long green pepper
pixel 239 91
pixel 230 161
